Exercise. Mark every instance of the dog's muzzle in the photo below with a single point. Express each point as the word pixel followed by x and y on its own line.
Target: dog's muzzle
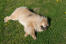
pixel 43 28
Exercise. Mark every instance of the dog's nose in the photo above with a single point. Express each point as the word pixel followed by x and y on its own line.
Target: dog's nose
pixel 43 28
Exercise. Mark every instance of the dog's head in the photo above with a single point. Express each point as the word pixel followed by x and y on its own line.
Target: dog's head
pixel 44 23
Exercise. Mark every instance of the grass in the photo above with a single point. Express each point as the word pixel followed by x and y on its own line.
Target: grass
pixel 12 32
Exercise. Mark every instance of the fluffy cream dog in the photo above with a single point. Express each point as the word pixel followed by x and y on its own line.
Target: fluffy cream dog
pixel 32 22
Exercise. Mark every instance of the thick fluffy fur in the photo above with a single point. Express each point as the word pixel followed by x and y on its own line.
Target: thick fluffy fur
pixel 31 21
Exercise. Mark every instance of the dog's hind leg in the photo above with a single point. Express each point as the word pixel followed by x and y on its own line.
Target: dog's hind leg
pixel 6 19
pixel 11 17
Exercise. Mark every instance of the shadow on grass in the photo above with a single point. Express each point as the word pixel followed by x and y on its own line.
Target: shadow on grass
pixel 49 21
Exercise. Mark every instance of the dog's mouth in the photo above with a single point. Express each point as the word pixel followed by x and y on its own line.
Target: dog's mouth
pixel 43 28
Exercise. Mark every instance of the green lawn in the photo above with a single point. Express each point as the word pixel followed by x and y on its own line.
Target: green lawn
pixel 12 32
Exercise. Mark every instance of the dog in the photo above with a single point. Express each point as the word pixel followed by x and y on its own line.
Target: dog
pixel 31 21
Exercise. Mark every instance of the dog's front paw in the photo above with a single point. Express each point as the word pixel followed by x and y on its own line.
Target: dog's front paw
pixel 26 35
pixel 34 38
